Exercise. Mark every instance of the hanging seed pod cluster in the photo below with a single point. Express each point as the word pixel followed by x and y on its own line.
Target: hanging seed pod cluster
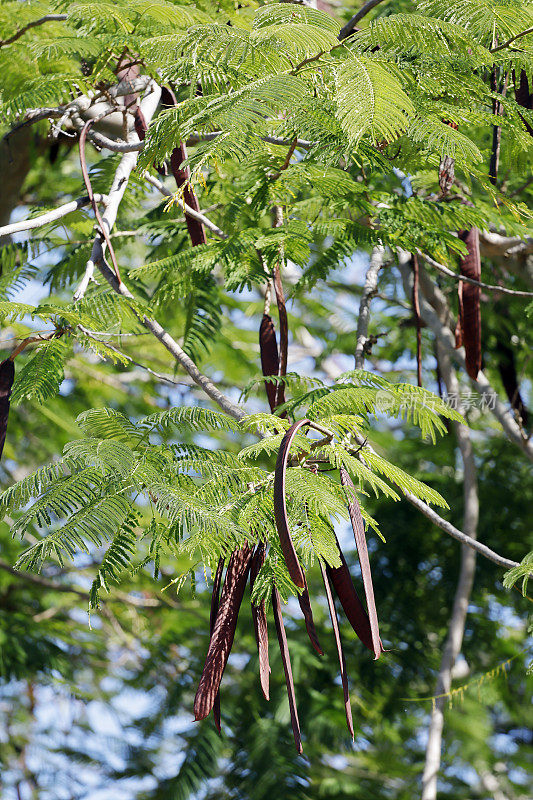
pixel 247 561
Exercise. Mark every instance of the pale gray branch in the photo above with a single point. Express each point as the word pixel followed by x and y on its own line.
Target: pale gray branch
pixel 369 290
pixel 187 209
pixel 456 628
pixel 492 287
pixel 116 193
pixel 50 216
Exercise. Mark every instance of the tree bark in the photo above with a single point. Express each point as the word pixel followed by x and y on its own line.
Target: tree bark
pixel 456 628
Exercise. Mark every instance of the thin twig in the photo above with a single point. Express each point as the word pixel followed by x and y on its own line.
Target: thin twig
pixel 55 586
pixel 491 287
pixel 122 354
pixel 350 25
pixel 34 24
pixel 511 40
pixel 50 216
pixel 191 212
pixel 441 523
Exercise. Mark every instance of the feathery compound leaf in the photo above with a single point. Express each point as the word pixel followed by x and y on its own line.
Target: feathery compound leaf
pixel 42 375
pixel 117 559
pixel 96 523
pixel 370 100
pixel 195 418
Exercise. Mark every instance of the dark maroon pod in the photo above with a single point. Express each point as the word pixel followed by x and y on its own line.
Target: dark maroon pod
pixel 523 96
pixel 215 601
pixel 340 651
pixel 223 631
pixel 182 176
pixel 280 507
pixel 471 312
pixel 260 621
pixel 358 528
pixel 7 376
pixel 305 605
pixel 353 608
pixel 285 657
pixel 268 348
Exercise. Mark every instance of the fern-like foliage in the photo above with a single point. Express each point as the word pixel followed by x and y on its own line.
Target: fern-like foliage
pixel 204 503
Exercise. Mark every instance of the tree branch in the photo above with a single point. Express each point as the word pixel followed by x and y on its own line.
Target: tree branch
pixel 34 24
pixel 439 521
pixel 50 216
pixel 350 25
pixel 369 290
pixel 436 318
pixel 463 591
pixel 191 212
pixel 511 40
pixel 116 193
pixel 45 583
pixel 491 287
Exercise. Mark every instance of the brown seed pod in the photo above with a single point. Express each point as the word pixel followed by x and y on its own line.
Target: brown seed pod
pixel 260 621
pixel 305 605
pixel 182 176
pixel 215 600
pixel 7 376
pixel 416 309
pixel 459 323
pixel 223 631
pixel 285 657
pixel 360 542
pixel 280 506
pixel 353 608
pixel 269 357
pixel 471 313
pixel 523 96
pixel 340 651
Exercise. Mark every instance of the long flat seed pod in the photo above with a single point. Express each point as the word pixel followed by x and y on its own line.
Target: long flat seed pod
pixel 353 608
pixel 523 96
pixel 223 631
pixel 416 309
pixel 283 333
pixel 7 376
pixel 280 506
pixel 305 605
pixel 182 177
pixel 141 128
pixel 285 657
pixel 360 542
pixel 459 324
pixel 260 622
pixel 471 317
pixel 215 601
pixel 268 348
pixel 340 651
